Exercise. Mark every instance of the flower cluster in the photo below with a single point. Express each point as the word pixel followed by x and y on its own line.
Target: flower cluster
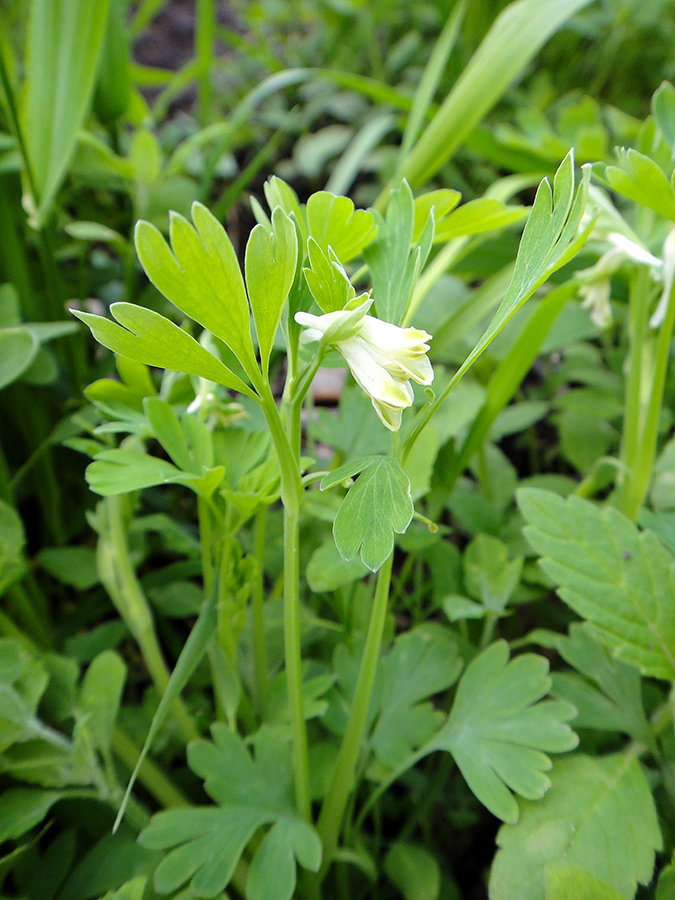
pixel 382 357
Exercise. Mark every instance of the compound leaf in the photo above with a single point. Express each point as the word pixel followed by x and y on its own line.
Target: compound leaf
pixel 149 338
pixel 599 815
pixel 204 844
pixel 498 732
pixel 378 504
pixel 620 579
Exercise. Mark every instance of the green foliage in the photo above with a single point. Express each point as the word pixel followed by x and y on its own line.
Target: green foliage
pixel 499 729
pixel 598 816
pixel 618 578
pixel 205 843
pixel 377 505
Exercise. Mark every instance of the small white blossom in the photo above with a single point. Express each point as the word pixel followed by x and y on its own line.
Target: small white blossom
pixel 383 358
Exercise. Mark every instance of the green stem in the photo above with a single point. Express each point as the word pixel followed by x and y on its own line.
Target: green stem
pixel 259 643
pixel 332 811
pixel 204 52
pixel 644 395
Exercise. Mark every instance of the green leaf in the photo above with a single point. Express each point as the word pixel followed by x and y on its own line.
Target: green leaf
pixel 205 843
pixel 563 881
pixel 619 579
pixel 190 657
pixel 377 505
pixel 64 43
pixel 640 179
pixel 333 222
pixel 476 217
pixel 326 278
pixel 23 808
pixel 75 566
pixel 327 570
pixel 149 338
pixel 100 696
pixel 488 574
pixel 18 348
pixel 422 662
pixel 271 260
pixel 514 38
pixel 132 890
pixel 598 815
pixel 166 426
pixel 203 279
pixel 663 107
pixel 393 259
pixel 12 543
pixel 609 697
pixel 499 734
pixel 414 871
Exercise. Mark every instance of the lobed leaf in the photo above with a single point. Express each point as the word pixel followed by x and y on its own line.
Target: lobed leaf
pixel 202 279
pixel 326 279
pixel 271 259
pixel 499 729
pixel 641 179
pixel 333 222
pixel 620 579
pixel 153 340
pixel 378 504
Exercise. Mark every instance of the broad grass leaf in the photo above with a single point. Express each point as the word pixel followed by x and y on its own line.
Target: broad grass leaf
pixel 514 38
pixel 641 179
pixel 499 729
pixel 620 579
pixel 202 279
pixel 147 337
pixel 204 844
pixel 64 43
pixel 333 222
pixel 599 815
pixel 271 260
pixel 377 505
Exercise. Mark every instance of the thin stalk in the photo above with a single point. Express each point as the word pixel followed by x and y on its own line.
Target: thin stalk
pixel 332 811
pixel 635 402
pixel 639 475
pixel 119 578
pixel 257 604
pixel 149 775
pixel 205 53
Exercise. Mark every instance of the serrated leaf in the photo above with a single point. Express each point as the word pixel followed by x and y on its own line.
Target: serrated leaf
pixel 598 815
pixel 610 695
pixel 203 278
pixel 326 279
pixel 620 579
pixel 151 339
pixel 641 179
pixel 271 259
pixel 377 505
pixel 422 662
pixel 393 259
pixel 333 222
pixel 499 729
pixel 204 844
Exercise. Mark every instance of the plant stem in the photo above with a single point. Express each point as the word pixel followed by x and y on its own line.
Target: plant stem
pixel 259 644
pixel 332 811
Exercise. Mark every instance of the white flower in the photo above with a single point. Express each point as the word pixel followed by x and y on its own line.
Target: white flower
pixel 382 357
